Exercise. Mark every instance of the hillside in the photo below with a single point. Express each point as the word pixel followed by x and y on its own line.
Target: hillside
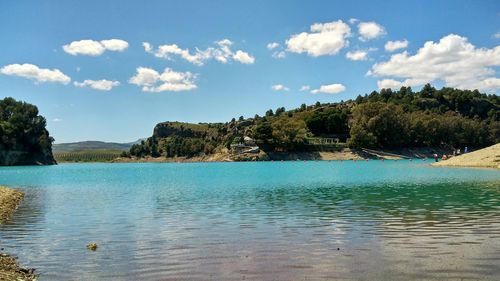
pixel 443 119
pixel 90 145
pixel 486 157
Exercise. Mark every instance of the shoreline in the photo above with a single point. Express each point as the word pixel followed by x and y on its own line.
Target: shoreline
pixel 342 154
pixel 9 268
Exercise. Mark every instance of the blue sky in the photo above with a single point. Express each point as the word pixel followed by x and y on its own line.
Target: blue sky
pixel 210 61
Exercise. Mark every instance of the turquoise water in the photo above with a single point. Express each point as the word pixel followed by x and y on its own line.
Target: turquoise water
pixel 373 220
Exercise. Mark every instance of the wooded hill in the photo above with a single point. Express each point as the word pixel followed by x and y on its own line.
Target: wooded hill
pixel 387 119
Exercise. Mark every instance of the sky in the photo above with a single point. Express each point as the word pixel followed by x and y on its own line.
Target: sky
pixel 112 70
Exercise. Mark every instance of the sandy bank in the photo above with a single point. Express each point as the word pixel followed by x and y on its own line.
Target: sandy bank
pixel 488 157
pixel 9 200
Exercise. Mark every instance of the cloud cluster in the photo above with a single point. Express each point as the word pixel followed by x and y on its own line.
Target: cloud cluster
pixel 152 81
pixel 101 85
pixel 392 46
pixel 279 87
pixel 329 89
pixel 370 30
pixel 323 89
pixel 33 72
pixel 95 48
pixel 221 52
pixel 323 39
pixel 452 60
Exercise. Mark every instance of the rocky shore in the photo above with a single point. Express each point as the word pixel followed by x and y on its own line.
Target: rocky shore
pixel 9 269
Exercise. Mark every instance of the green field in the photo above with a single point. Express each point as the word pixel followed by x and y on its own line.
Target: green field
pixel 87 156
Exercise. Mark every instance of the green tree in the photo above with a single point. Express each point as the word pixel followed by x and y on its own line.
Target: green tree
pixel 263 133
pixel 24 140
pixel 379 124
pixel 289 134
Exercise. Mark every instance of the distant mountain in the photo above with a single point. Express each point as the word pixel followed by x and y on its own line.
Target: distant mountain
pixel 91 145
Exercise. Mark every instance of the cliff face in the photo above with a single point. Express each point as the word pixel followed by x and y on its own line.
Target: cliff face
pixel 14 158
pixel 184 130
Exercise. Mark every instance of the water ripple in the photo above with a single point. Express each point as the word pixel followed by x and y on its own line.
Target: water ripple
pixel 256 221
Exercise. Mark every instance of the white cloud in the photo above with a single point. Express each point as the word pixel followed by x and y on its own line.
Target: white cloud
pixel 273 45
pixel 279 55
pixel 329 89
pixel 101 85
pixel 57 120
pixel 324 39
pixel 221 53
pixel 452 60
pixel 95 48
pixel 370 30
pixel 33 72
pixel 243 57
pixel 152 81
pixel 392 46
pixel 357 55
pixel 496 35
pixel 305 88
pixel 279 87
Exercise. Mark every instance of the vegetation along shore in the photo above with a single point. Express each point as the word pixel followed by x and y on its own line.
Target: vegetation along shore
pixel 378 125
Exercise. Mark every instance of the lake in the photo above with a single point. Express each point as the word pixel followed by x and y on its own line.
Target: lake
pixel 374 220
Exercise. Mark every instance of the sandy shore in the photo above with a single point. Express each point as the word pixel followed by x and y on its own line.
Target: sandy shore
pixel 488 157
pixel 9 269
